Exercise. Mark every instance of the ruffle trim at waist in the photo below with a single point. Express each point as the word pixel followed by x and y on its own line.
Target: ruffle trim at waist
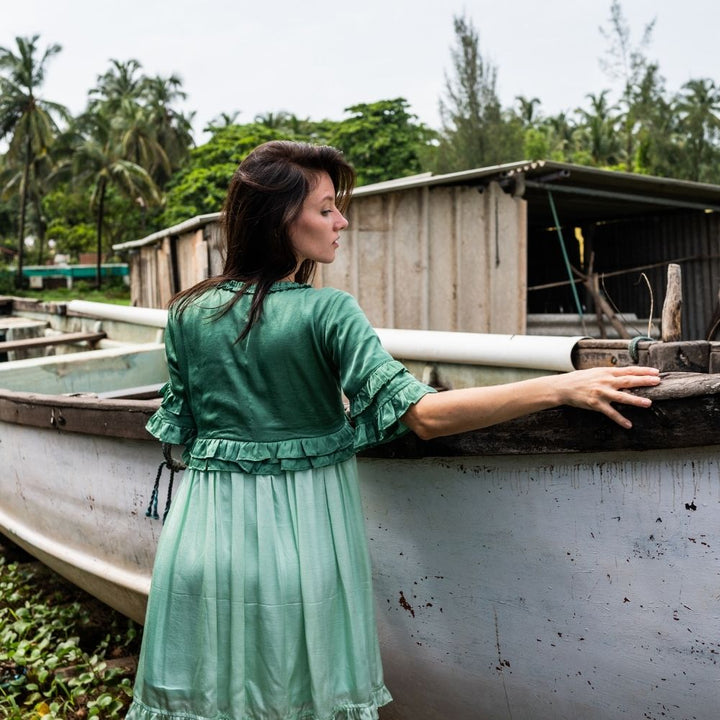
pixel 263 458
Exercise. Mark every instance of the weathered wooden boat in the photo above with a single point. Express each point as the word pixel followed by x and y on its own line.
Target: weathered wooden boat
pixel 552 567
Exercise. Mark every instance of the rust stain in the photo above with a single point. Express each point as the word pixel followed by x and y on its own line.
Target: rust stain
pixel 405 605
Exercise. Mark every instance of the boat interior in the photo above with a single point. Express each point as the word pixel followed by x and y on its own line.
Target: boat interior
pixel 50 348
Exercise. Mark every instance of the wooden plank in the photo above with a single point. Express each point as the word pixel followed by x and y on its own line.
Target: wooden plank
pixel 48 340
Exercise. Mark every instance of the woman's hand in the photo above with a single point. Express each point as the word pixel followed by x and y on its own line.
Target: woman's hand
pixel 455 411
pixel 596 388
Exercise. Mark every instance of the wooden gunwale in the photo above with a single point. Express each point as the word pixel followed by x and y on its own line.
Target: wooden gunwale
pixel 685 413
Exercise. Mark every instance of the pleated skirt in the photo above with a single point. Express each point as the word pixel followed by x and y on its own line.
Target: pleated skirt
pixel 261 605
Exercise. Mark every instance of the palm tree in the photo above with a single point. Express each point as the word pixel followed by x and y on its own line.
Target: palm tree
pixel 223 120
pixel 29 120
pixel 173 129
pixel 119 89
pixel 527 113
pixel 98 159
pixel 600 125
pixel 12 177
pixel 698 109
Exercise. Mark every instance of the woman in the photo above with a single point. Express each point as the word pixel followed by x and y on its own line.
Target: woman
pixel 261 605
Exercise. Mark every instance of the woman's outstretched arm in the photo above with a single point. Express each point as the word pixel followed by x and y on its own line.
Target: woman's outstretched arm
pixel 455 411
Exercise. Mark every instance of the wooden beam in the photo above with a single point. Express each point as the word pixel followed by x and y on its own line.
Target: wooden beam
pixel 47 340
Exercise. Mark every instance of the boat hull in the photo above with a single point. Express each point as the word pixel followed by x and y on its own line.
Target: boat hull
pixel 548 587
pixel 83 518
pixel 533 586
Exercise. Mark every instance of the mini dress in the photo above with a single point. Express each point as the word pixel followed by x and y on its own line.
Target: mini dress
pixel 261 604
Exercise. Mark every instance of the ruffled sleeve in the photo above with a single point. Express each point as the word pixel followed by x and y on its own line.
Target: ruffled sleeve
pixel 380 390
pixel 173 422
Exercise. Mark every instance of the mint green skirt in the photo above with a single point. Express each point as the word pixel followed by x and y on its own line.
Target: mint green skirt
pixel 261 606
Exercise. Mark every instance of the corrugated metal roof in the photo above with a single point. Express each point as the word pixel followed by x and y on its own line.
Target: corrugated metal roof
pixel 186 226
pixel 581 194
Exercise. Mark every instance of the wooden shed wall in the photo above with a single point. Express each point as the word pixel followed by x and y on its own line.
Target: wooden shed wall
pixel 442 258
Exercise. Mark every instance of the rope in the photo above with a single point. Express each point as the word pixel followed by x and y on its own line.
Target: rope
pixel 174 466
pixel 565 255
pixel 633 346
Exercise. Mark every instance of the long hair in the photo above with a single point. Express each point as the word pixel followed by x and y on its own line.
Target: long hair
pixel 265 197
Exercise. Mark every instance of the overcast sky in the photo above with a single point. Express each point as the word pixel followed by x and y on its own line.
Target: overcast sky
pixel 316 58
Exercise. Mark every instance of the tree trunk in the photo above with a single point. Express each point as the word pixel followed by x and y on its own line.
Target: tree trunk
pixel 19 280
pixel 100 212
pixel 41 228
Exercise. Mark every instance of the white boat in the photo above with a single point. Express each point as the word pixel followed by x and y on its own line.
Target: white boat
pixel 553 567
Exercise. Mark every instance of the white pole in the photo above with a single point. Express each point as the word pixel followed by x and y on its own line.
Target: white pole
pixel 519 351
pixel 153 317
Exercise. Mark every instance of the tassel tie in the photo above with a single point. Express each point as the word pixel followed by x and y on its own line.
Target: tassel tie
pixel 174 466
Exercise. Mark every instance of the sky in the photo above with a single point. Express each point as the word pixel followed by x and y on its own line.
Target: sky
pixel 314 59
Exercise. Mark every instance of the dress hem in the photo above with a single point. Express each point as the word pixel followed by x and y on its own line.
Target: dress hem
pixel 381 696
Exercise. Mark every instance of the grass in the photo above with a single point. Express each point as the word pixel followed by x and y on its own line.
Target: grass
pixel 117 294
pixel 63 655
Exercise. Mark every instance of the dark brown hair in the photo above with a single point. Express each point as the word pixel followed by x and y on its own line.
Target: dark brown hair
pixel 265 197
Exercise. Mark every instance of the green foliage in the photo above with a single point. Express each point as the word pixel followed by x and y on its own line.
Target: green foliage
pixel 382 140
pixel 200 187
pixel 475 130
pixel 56 648
pixel 7 281
pixel 30 124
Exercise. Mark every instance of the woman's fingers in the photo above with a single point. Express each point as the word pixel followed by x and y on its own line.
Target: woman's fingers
pixel 599 387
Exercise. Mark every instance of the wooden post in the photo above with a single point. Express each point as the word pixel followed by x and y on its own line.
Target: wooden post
pixel 672 307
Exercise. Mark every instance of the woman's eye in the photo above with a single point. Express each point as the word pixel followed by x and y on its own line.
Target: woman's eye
pixel 326 212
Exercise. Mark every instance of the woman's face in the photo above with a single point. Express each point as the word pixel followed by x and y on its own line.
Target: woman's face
pixel 315 232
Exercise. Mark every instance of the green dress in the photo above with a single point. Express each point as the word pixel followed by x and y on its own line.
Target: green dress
pixel 261 605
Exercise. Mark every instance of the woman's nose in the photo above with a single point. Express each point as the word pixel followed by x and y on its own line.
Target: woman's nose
pixel 342 222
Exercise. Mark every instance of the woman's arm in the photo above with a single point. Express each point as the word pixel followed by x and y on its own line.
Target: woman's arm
pixel 455 411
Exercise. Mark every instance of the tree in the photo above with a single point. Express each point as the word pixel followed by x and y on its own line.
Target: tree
pixel 526 110
pixel 632 68
pixel 599 131
pixel 201 185
pixel 173 129
pixel 698 108
pixel 382 140
pixel 98 161
pixel 221 121
pixel 153 133
pixel 29 120
pixel 119 89
pixel 474 130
